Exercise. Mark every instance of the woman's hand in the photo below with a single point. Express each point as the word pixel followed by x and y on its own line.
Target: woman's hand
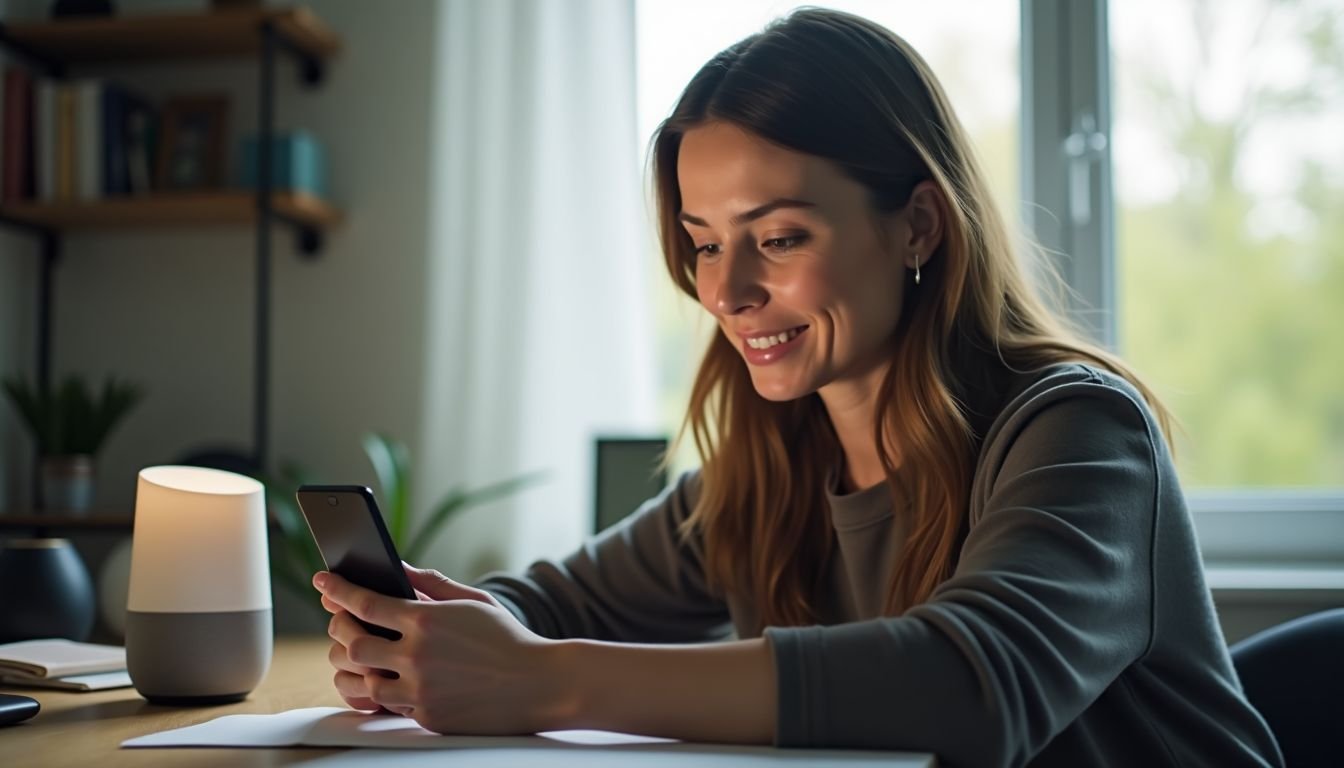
pixel 463 664
pixel 429 585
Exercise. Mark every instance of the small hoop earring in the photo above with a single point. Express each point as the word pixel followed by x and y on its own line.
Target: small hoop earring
pixel 916 269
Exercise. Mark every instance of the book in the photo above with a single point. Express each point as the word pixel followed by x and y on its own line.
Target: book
pixel 98 681
pixel 88 139
pixel 66 156
pixel 60 658
pixel 44 138
pixel 17 138
pixel 140 143
pixel 116 172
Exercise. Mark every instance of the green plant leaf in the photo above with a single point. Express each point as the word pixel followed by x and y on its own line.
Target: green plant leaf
pixel 35 409
pixel 301 558
pixel 117 400
pixel 297 557
pixel 72 409
pixel 391 463
pixel 457 501
pixel 71 419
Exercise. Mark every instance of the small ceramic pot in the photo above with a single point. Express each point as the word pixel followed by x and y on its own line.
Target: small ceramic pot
pixel 67 483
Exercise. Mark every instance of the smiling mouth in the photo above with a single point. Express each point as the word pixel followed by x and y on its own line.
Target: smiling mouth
pixel 766 342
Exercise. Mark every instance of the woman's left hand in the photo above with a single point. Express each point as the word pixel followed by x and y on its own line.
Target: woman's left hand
pixel 462 666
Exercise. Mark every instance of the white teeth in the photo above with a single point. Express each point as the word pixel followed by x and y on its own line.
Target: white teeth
pixel 765 342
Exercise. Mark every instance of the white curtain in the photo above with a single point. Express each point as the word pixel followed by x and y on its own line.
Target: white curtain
pixel 540 329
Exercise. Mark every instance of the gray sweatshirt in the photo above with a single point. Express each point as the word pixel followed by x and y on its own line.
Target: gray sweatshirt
pixel 1076 630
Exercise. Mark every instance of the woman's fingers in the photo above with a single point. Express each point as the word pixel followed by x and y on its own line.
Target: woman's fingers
pixel 354 690
pixel 368 605
pixel 376 653
pixel 340 659
pixel 344 629
pixel 393 694
pixel 439 587
pixel 359 651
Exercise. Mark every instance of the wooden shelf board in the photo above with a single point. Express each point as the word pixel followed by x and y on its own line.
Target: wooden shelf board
pixel 94 520
pixel 65 520
pixel 178 36
pixel 170 210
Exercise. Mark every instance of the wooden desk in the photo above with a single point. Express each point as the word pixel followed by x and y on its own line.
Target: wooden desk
pixel 85 730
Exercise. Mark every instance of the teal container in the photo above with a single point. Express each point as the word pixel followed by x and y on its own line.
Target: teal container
pixel 298 164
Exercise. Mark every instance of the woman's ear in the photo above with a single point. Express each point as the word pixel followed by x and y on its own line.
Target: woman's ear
pixel 923 217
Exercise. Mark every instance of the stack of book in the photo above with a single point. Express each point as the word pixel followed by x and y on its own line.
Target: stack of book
pixel 63 664
pixel 73 140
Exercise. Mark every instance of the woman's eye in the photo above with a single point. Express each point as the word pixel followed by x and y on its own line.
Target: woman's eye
pixel 783 243
pixel 708 250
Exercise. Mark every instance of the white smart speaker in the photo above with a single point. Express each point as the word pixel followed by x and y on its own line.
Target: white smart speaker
pixel 198 609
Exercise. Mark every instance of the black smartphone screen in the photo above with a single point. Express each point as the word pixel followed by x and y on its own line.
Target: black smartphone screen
pixel 349 531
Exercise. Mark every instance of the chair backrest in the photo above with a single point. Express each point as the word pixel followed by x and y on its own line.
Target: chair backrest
pixel 1293 674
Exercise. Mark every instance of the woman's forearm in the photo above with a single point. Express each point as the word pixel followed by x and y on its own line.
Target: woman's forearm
pixel 722 692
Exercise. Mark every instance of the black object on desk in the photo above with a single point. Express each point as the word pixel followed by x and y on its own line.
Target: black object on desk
pixel 16 709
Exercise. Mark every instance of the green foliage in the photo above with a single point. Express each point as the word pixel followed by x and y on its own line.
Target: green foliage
pixel 73 419
pixel 296 558
pixel 391 462
pixel 1230 311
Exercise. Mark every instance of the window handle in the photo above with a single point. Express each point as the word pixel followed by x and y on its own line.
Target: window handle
pixel 1083 147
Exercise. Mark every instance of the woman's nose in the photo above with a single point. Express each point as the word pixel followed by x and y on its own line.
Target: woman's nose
pixel 740 287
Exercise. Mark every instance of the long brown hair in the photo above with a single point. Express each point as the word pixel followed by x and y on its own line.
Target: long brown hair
pixel 845 89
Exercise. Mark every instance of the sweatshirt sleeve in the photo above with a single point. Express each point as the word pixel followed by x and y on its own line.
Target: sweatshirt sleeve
pixel 635 582
pixel 1050 601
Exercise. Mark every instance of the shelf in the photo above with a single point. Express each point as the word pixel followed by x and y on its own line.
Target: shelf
pixel 67 521
pixel 179 36
pixel 109 521
pixel 51 48
pixel 171 210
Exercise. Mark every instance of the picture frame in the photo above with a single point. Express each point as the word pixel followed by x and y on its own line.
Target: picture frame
pixel 191 151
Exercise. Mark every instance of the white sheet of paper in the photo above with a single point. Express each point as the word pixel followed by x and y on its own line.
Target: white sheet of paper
pixel 339 727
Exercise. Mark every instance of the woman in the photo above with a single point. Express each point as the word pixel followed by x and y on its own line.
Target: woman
pixel 935 519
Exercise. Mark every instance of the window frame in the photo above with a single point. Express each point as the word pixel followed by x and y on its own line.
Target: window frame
pixel 1068 207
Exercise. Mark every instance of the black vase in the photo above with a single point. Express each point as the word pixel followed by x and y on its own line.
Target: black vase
pixel 45 591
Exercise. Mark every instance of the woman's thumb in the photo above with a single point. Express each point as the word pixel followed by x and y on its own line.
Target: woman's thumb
pixel 436 586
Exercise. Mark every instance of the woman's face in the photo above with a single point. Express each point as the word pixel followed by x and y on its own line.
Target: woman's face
pixel 791 259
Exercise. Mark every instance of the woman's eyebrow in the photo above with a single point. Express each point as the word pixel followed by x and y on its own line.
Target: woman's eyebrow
pixel 753 214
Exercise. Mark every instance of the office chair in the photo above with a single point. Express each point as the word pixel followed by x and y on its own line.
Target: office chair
pixel 1293 674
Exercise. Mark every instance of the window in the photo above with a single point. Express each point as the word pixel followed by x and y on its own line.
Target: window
pixel 1229 179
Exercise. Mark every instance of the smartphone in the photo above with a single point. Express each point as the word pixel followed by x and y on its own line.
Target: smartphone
pixel 350 535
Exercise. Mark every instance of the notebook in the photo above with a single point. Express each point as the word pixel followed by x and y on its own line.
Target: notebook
pixel 59 658
pixel 98 681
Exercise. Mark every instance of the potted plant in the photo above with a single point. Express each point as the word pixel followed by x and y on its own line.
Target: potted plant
pixel 296 559
pixel 69 425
